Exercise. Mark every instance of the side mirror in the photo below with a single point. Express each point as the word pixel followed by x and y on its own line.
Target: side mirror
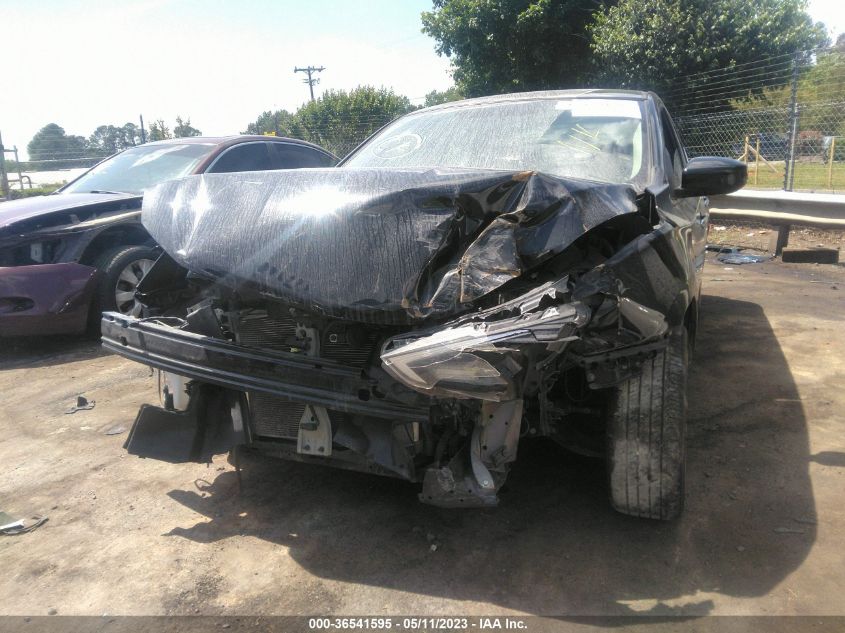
pixel 712 175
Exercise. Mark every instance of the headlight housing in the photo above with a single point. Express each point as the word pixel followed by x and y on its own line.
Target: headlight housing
pixel 477 360
pixel 30 252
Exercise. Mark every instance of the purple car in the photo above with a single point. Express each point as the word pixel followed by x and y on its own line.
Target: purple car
pixel 67 257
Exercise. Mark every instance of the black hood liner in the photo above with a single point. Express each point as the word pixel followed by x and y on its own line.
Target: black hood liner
pixel 377 245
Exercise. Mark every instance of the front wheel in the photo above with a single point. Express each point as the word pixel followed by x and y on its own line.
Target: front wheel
pixel 646 425
pixel 122 268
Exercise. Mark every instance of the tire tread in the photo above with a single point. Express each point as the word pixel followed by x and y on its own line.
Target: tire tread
pixel 646 436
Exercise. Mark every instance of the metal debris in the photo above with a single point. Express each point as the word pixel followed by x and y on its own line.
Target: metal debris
pixel 741 258
pixel 82 404
pixel 20 526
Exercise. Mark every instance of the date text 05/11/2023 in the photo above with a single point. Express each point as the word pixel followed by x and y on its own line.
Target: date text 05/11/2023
pixel 418 623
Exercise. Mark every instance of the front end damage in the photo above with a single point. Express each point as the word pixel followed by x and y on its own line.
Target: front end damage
pixel 473 309
pixel 47 272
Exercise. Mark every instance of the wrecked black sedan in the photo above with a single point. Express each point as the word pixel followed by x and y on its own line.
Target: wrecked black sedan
pixel 473 274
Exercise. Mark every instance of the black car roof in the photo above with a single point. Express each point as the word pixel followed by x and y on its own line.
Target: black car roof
pixel 233 140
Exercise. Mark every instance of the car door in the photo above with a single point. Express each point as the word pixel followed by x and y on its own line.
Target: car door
pixel 295 156
pixel 251 156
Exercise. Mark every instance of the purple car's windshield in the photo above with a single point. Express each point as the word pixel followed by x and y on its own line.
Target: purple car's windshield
pixel 592 138
pixel 139 168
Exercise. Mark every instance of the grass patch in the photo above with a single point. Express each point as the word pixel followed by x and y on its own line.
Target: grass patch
pixel 808 177
pixel 42 190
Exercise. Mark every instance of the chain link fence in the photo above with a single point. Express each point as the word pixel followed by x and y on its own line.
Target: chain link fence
pixel 792 136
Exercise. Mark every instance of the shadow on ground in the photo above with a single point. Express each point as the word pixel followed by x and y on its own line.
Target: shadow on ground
pixel 554 546
pixel 45 351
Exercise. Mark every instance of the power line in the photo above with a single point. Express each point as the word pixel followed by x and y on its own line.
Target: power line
pixel 309 70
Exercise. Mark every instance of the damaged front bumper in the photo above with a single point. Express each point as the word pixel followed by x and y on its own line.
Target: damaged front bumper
pixel 215 361
pixel 463 386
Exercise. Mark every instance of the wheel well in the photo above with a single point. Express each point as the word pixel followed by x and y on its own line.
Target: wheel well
pixel 112 238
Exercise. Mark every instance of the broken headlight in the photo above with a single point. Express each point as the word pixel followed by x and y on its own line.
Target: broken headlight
pixel 30 253
pixel 478 360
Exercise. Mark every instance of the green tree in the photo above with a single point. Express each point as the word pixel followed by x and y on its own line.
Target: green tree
pixel 183 129
pixel 131 135
pixel 279 123
pixel 105 140
pixel 513 45
pixel 435 97
pixel 52 148
pixel 109 139
pixel 159 131
pixel 340 120
pixel 820 91
pixel 661 44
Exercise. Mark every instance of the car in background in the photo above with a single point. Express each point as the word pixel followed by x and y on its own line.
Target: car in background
pixel 475 273
pixel 68 256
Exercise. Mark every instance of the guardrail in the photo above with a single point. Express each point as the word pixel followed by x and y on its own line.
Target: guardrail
pixel 782 209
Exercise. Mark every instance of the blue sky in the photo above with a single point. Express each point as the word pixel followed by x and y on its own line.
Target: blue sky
pixel 82 64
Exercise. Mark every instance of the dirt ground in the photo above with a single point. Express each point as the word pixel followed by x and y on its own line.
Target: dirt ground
pixel 756 236
pixel 763 532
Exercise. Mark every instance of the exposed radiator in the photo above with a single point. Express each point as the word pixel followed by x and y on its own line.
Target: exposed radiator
pixel 273 416
pixel 348 344
pixel 258 329
pixel 349 347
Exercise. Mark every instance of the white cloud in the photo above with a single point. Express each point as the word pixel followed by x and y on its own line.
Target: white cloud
pixel 831 12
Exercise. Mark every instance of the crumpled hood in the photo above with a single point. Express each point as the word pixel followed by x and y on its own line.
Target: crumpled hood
pixel 30 208
pixel 375 244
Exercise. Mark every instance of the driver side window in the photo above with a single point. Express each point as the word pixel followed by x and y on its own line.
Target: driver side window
pixel 673 151
pixel 245 157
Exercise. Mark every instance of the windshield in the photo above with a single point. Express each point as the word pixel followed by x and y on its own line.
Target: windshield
pixel 590 138
pixel 139 168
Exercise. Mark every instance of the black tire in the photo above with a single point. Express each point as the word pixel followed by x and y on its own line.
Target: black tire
pixel 112 264
pixel 646 426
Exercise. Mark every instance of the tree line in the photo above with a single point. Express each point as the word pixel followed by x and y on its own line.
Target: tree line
pixel 498 46
pixel 340 120
pixel 53 148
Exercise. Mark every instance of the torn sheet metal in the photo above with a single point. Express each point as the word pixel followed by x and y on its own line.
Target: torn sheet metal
pixel 373 244
pixel 10 526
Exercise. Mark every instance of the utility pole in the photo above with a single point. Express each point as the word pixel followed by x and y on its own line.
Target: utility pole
pixel 143 131
pixel 311 80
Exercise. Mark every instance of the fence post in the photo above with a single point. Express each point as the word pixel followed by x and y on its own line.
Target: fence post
pixel 757 160
pixel 4 178
pixel 789 164
pixel 830 163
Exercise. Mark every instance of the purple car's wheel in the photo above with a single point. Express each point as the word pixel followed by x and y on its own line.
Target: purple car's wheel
pixel 127 284
pixel 122 270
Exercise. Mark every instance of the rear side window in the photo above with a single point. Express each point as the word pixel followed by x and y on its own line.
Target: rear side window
pixel 290 156
pixel 246 157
